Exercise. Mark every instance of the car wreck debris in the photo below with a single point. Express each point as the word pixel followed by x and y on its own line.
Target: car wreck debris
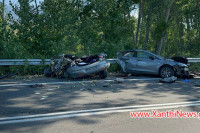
pixel 69 66
pixel 168 80
pixel 119 80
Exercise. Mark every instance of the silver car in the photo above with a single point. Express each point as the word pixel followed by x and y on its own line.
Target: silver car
pixel 69 66
pixel 144 62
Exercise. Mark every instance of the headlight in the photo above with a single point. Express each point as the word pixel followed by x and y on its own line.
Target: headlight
pixel 182 65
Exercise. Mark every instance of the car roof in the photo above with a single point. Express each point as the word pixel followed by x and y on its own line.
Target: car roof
pixel 140 50
pixel 134 50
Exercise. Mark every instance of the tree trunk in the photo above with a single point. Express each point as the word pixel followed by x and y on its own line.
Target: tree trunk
pixel 138 23
pixel 4 21
pixel 134 45
pixel 188 24
pixel 36 7
pixel 167 45
pixel 181 41
pixel 166 19
pixel 141 32
pixel 147 33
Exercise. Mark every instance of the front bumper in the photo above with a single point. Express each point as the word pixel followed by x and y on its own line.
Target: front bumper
pixel 181 70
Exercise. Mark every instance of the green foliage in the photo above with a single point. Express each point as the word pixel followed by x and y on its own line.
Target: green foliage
pixel 160 27
pixel 89 27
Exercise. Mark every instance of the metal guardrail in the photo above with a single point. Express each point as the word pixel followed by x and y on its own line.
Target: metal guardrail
pixel 17 62
pixel 190 60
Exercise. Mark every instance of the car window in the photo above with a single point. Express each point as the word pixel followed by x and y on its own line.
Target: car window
pixel 129 54
pixel 142 54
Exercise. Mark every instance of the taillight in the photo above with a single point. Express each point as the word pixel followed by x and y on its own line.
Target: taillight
pixel 101 57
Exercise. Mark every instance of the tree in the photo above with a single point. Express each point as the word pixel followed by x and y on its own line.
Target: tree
pixel 163 32
pixel 2 14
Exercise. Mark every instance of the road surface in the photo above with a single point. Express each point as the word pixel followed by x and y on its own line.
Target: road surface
pixel 42 106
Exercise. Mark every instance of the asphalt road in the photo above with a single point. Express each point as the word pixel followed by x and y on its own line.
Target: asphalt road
pixel 43 99
pixel 107 123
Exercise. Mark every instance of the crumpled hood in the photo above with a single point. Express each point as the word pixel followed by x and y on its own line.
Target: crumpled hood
pixel 176 63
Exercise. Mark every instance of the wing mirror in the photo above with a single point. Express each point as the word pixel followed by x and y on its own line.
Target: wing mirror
pixel 151 57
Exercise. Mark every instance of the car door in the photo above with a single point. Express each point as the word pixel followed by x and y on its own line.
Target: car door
pixel 129 61
pixel 146 63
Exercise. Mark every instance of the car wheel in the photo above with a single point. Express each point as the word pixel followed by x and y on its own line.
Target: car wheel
pixel 103 74
pixel 47 72
pixel 166 72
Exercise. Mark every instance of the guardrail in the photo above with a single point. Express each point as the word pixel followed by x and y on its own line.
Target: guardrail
pixel 17 62
pixel 190 60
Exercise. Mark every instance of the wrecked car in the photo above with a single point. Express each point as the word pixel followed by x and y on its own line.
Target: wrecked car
pixel 144 62
pixel 69 66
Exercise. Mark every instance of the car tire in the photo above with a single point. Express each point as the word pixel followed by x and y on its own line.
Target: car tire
pixel 47 72
pixel 103 74
pixel 166 72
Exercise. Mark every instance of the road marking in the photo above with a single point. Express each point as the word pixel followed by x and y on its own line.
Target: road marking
pixel 75 82
pixel 100 109
pixel 70 114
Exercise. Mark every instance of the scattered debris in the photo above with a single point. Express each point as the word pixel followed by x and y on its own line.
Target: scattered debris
pixel 168 80
pixel 37 85
pixel 37 93
pixel 89 89
pixel 44 97
pixel 191 76
pixel 114 91
pixel 119 80
pixel 106 85
pixel 82 89
pixel 9 75
pixel 129 75
pixel 186 80
pixel 82 84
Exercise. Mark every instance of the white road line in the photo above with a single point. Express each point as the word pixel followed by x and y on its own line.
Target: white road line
pixel 70 114
pixel 100 109
pixel 75 82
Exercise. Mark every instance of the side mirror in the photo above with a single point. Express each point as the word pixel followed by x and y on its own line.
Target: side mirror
pixel 151 57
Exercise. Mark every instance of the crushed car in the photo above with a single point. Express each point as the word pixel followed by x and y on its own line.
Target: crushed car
pixel 69 66
pixel 145 62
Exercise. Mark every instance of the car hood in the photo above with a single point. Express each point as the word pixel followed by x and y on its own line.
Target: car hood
pixel 172 62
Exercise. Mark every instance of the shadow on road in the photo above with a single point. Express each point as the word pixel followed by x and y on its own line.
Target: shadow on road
pixel 26 100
